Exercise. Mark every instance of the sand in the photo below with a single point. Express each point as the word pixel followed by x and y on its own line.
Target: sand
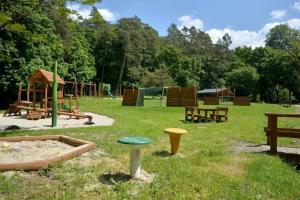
pixel 15 152
pixel 62 122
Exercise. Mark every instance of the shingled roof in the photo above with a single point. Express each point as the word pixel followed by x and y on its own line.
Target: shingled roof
pixel 44 76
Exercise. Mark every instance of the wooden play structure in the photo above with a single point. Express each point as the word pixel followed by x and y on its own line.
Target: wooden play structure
pixel 38 101
pixel 273 131
pixel 241 101
pixel 182 96
pixel 88 89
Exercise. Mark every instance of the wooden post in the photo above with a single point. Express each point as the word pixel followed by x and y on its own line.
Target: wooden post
pixel 90 89
pixel 20 92
pixel 272 139
pixel 75 90
pixel 70 103
pixel 99 90
pixel 28 91
pixel 46 97
pixel 81 88
pixel 34 96
pixel 95 90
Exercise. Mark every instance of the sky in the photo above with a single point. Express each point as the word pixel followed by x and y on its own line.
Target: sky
pixel 246 21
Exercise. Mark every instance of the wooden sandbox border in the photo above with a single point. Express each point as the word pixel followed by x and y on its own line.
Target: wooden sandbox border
pixel 81 146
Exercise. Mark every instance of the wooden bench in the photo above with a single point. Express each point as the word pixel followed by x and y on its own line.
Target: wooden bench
pixel 12 109
pixel 34 115
pixel 221 113
pixel 272 131
pixel 190 112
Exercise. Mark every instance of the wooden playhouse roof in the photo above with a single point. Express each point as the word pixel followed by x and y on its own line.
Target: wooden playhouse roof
pixel 44 76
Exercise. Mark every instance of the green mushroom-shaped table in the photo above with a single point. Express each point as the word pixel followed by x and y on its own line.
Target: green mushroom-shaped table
pixel 135 144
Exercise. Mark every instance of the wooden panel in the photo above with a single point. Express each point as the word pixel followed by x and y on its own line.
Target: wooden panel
pixel 241 101
pixel 130 97
pixel 211 101
pixel 184 96
pixel 294 115
pixel 173 96
pixel 188 96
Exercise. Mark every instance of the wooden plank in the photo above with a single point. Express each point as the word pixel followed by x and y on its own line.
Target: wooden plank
pixel 293 115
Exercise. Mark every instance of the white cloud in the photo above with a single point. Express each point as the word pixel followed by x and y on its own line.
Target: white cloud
pixel 296 6
pixel 108 15
pixel 85 12
pixel 189 21
pixel 278 14
pixel 294 23
pixel 250 38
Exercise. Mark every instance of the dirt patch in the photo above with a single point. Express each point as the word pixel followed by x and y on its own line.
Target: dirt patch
pixel 250 147
pixel 26 151
pixel 235 167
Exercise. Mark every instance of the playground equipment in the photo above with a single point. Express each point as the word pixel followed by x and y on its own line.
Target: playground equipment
pixel 175 135
pixel 38 87
pixel 135 144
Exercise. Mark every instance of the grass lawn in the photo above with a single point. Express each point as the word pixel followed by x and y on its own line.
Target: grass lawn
pixel 207 167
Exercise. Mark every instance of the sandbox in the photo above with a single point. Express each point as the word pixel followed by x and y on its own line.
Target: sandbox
pixel 35 152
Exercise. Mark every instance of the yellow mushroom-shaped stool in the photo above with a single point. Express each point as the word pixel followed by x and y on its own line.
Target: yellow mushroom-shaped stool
pixel 175 135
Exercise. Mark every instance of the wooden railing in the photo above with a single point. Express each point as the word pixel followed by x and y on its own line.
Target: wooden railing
pixel 272 131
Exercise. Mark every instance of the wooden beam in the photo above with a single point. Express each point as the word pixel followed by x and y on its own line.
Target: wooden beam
pixel 20 92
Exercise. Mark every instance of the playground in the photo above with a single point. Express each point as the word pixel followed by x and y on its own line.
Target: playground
pixel 215 152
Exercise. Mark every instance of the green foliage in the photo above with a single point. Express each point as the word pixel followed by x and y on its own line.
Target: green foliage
pixel 159 78
pixel 36 33
pixel 244 80
pixel 280 37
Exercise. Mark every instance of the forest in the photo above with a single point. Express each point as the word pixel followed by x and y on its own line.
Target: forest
pixel 36 33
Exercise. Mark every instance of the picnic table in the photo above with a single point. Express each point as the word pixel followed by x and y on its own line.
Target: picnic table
pixel 206 115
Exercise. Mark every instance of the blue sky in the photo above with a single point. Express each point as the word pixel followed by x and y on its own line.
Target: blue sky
pixel 246 21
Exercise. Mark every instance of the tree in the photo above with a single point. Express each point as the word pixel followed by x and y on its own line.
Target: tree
pixel 280 37
pixel 225 42
pixel 243 80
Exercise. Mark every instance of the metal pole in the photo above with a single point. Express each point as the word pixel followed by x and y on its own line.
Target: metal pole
pixel 54 97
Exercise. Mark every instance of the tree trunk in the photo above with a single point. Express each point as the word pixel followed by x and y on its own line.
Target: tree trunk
pixel 101 86
pixel 290 97
pixel 120 77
